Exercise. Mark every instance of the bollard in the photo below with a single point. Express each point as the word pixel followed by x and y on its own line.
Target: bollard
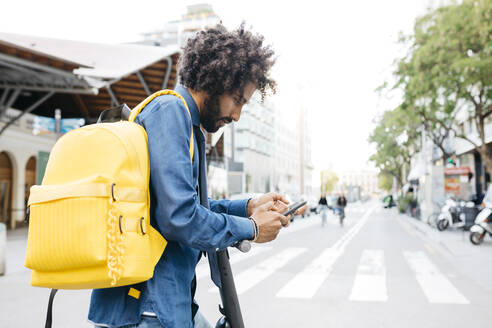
pixel 3 246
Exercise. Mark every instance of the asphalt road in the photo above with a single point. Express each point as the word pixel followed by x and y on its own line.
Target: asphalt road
pixel 381 269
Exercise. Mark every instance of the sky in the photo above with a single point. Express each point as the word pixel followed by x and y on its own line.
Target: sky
pixel 331 55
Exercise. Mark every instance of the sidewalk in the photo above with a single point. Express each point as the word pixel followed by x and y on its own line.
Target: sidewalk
pixel 25 306
pixel 456 247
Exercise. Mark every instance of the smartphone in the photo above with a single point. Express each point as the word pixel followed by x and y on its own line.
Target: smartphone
pixel 294 207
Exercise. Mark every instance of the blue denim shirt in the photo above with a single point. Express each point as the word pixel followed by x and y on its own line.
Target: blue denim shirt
pixel 176 213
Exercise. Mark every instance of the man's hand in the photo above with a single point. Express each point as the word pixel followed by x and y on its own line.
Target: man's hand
pixel 280 203
pixel 269 222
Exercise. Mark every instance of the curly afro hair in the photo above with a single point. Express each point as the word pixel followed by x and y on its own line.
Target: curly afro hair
pixel 218 61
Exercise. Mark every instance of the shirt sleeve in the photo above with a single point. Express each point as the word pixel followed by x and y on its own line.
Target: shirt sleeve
pixel 232 207
pixel 178 212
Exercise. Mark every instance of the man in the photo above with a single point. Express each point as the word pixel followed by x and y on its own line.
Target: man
pixel 219 72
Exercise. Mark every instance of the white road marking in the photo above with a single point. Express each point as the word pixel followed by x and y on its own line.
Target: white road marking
pixel 203 269
pixel 254 275
pixel 300 224
pixel 370 281
pixel 307 282
pixel 436 286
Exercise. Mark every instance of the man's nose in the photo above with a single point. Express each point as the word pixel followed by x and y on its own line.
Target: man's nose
pixel 236 115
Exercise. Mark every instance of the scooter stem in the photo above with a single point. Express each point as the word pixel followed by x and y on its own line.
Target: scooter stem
pixel 230 302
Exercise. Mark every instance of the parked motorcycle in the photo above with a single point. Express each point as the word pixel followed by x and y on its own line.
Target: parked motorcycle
pixel 482 226
pixel 483 221
pixel 453 214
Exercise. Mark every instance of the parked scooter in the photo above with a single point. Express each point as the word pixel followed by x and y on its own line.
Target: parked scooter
pixel 453 214
pixel 483 221
pixel 483 224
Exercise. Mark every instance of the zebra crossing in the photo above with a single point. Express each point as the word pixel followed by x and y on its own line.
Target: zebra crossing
pixel 369 283
pixel 255 274
pixel 369 280
pixel 435 285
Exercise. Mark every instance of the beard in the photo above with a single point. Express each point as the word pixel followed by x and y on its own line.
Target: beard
pixel 210 115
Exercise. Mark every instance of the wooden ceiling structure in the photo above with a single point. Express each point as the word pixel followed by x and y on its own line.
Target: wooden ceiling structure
pixel 135 87
pixel 39 82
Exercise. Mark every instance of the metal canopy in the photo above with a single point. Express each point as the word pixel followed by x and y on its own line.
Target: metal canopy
pixel 81 78
pixel 24 74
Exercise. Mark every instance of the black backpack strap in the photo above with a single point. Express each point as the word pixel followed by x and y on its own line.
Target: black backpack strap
pixel 49 313
pixel 115 114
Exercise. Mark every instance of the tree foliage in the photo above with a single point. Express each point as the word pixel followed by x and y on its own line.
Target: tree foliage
pixel 448 69
pixel 385 182
pixel 395 137
pixel 329 180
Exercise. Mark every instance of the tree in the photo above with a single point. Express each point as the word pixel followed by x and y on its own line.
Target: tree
pixel 448 69
pixel 395 137
pixel 385 182
pixel 329 180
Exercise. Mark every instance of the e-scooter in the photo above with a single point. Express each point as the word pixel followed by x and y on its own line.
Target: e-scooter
pixel 230 309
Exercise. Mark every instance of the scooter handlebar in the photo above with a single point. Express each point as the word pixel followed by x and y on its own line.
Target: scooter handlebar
pixel 243 245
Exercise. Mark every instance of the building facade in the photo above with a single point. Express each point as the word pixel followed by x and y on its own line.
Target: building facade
pixel 254 145
pixel 287 173
pixel 20 153
pixel 197 17
pixel 358 183
pixel 306 166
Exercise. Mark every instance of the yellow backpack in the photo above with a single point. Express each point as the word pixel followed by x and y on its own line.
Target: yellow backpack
pixel 89 224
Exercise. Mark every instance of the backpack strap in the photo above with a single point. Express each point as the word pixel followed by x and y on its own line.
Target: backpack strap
pixel 147 100
pixel 49 312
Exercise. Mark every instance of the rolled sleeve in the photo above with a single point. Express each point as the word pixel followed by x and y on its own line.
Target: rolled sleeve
pixel 232 207
pixel 177 210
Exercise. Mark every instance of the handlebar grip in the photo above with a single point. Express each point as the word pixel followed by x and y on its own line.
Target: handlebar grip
pixel 243 245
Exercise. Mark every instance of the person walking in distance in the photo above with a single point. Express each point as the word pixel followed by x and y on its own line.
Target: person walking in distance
pixel 323 207
pixel 341 204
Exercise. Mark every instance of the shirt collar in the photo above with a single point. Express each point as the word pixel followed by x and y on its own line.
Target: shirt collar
pixel 195 114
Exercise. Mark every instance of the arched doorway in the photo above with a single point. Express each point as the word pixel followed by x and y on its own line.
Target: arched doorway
pixel 6 181
pixel 30 178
